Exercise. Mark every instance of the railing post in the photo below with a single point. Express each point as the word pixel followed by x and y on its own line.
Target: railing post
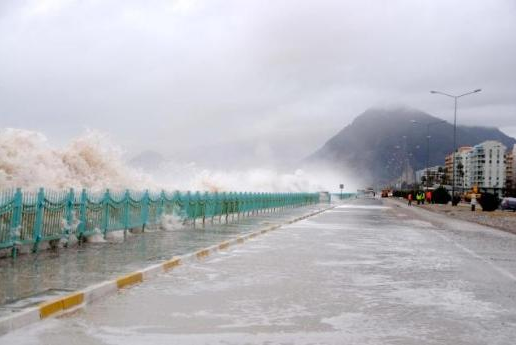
pixel 126 211
pixel 213 204
pixel 233 205
pixel 199 206
pixel 16 221
pixel 82 216
pixel 196 203
pixel 38 223
pixel 246 203
pixel 239 203
pixel 187 205
pixel 207 202
pixel 161 205
pixel 178 200
pixel 105 220
pixel 69 214
pixel 217 208
pixel 225 205
pixel 145 209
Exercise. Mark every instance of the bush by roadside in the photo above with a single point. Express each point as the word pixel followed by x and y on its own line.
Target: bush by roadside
pixel 441 196
pixel 489 202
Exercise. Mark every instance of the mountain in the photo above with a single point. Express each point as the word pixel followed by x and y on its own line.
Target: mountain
pixel 381 144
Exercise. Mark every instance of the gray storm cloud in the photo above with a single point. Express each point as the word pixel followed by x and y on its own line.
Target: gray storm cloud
pixel 272 80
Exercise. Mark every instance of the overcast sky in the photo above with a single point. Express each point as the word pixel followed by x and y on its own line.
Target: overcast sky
pixel 272 78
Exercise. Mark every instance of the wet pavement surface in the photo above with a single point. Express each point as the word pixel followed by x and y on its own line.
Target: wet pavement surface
pixel 33 278
pixel 366 272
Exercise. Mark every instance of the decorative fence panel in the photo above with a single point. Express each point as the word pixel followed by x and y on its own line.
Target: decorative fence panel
pixel 32 217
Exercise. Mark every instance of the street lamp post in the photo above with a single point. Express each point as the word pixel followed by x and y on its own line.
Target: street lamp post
pixel 455 97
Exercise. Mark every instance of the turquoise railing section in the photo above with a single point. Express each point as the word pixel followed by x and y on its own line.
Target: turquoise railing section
pixel 33 217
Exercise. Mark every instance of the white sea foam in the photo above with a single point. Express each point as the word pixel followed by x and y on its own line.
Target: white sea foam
pixel 115 236
pixel 28 160
pixel 191 176
pixel 93 161
pixel 171 222
pixel 97 237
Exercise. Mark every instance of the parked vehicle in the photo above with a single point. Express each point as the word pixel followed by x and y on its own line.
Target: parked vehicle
pixel 508 204
pixel 386 193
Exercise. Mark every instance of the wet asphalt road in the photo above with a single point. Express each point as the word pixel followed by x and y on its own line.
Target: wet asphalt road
pixel 365 272
pixel 34 278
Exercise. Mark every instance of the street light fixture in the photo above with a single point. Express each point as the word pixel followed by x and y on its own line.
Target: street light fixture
pixel 455 97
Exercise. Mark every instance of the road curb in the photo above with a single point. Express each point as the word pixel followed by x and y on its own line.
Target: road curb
pixel 78 299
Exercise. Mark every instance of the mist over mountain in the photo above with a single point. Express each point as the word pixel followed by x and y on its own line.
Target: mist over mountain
pixel 377 143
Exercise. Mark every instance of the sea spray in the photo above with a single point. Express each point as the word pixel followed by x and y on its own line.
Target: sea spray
pixel 115 236
pixel 170 222
pixel 92 161
pixel 69 230
pixel 191 176
pixel 96 237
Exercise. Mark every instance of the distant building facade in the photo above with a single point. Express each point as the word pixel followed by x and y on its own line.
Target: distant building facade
pixel 510 169
pixel 487 166
pixel 434 175
pixel 461 167
pixel 483 166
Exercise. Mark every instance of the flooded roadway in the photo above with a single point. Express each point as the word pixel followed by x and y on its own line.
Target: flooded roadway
pixel 363 273
pixel 33 278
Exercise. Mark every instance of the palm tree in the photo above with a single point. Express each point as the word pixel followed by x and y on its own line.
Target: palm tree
pixel 443 172
pixel 460 169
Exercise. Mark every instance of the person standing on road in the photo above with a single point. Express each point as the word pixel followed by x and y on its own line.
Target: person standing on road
pixel 428 196
pixel 473 202
pixel 420 198
pixel 409 199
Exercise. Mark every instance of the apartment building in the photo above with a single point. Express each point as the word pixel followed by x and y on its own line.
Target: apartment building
pixel 486 163
pixel 510 169
pixel 461 167
pixel 434 175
